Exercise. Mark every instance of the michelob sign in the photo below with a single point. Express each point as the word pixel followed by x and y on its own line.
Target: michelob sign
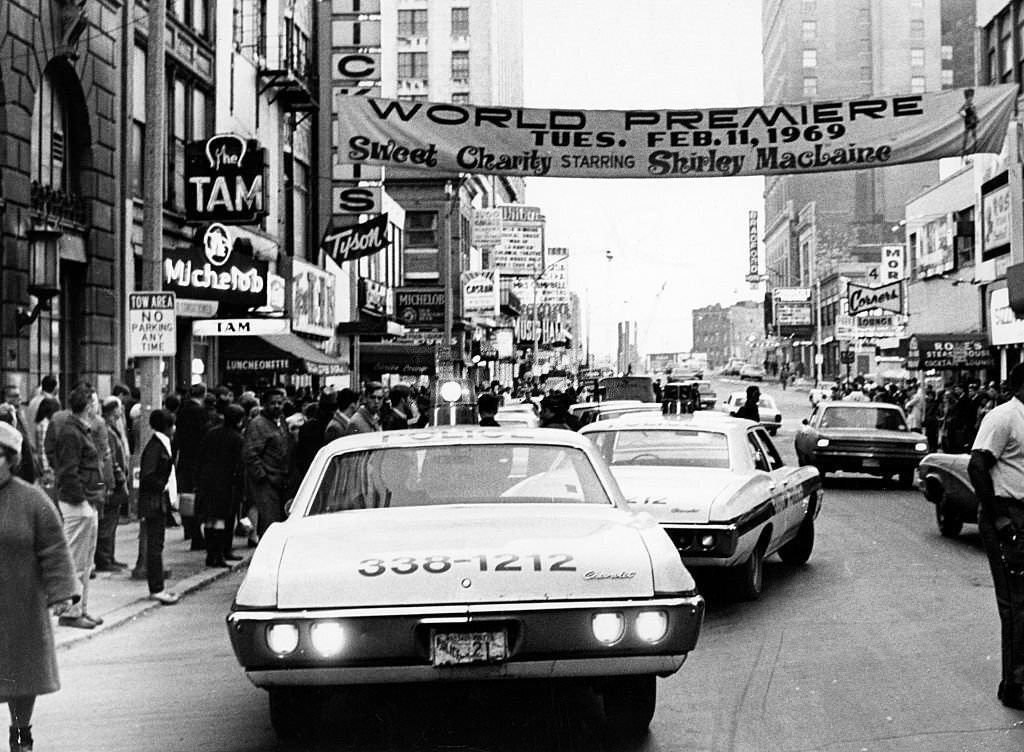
pixel 771 139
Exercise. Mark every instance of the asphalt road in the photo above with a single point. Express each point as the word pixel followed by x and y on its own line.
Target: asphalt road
pixel 887 640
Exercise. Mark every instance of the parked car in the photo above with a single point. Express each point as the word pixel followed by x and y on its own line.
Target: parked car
pixel 718 486
pixel 944 481
pixel 462 554
pixel 589 412
pixel 767 409
pixel 750 372
pixel 862 437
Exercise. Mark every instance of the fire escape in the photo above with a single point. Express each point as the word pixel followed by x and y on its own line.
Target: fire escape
pixel 290 72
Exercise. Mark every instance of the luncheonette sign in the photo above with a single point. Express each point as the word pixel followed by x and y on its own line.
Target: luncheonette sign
pixel 815 136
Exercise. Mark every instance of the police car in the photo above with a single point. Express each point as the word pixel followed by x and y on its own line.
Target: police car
pixel 459 554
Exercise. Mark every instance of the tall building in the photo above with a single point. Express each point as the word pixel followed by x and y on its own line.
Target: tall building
pixel 833 49
pixel 627 359
pixel 735 331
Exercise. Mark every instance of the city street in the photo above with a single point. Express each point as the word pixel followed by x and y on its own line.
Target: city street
pixel 886 640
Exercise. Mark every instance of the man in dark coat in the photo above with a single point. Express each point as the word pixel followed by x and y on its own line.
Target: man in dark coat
pixel 749 409
pixel 267 458
pixel 157 487
pixel 190 424
pixel 36 574
pixel 397 418
pixel 487 408
pixel 220 484
pixel 311 434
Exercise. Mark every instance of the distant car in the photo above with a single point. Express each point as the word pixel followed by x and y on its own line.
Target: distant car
pixel 750 372
pixel 518 415
pixel 462 554
pixel 767 410
pixel 718 486
pixel 861 437
pixel 678 397
pixel 590 412
pixel 944 481
pixel 626 388
pixel 733 367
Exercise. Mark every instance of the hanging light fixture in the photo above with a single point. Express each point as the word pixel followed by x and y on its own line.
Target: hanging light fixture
pixel 43 272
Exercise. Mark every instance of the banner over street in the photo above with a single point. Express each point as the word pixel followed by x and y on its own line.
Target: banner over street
pixel 813 136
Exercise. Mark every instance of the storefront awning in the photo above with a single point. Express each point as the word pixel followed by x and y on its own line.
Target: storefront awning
pixel 281 353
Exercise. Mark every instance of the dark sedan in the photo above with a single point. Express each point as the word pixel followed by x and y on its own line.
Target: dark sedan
pixel 861 437
pixel 944 481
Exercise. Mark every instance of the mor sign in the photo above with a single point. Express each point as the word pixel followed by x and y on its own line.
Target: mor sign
pixel 769 139
pixel 224 179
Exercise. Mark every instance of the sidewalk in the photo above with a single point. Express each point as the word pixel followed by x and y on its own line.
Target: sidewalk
pixel 117 598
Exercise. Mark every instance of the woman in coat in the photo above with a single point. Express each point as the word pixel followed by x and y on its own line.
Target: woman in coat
pixel 36 574
pixel 219 478
pixel 157 486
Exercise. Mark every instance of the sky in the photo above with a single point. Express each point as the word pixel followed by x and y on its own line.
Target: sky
pixel 677 243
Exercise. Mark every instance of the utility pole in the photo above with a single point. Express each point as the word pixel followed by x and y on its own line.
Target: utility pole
pixel 153 216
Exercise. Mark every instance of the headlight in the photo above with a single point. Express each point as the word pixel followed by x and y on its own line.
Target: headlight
pixel 328 638
pixel 608 627
pixel 282 638
pixel 823 442
pixel 651 626
pixel 921 446
pixel 707 541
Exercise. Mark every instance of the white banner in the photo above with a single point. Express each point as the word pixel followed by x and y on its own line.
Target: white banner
pixel 771 139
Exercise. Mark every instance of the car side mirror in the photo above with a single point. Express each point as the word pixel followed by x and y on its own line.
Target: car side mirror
pixel 806 422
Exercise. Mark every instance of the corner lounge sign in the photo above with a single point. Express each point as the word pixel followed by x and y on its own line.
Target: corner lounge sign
pixel 224 175
pixel 860 298
pixel 220 270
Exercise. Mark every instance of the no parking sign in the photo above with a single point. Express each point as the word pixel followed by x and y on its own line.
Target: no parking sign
pixel 152 326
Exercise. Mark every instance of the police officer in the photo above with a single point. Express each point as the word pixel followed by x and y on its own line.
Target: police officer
pixel 996 469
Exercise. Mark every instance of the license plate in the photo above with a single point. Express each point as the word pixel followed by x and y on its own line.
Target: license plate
pixel 871 463
pixel 459 648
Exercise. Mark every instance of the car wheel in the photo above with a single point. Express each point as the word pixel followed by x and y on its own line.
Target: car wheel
pixel 629 705
pixel 950 524
pixel 798 550
pixel 294 713
pixel 749 576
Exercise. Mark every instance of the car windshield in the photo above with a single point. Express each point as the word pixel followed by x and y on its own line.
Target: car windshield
pixel 863 417
pixel 457 474
pixel 664 447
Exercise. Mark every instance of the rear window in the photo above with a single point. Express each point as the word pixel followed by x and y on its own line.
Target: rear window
pixel 627 387
pixel 457 474
pixel 664 448
pixel 864 417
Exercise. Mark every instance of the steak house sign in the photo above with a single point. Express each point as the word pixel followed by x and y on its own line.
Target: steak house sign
pixel 817 136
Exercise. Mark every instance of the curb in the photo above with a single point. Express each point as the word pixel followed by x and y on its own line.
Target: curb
pixel 131 611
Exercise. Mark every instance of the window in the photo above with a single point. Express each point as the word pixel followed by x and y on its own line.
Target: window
pixel 947 78
pixel 248 26
pixel 916 84
pixel 421 229
pixel 917 57
pixel 188 107
pixel 810 7
pixel 412 23
pixel 947 52
pixel 864 16
pixel 413 97
pixel 865 73
pixel 810 58
pixel 1006 45
pixel 460 22
pixel 412 64
pixel 300 208
pixel 460 97
pixel 917 28
pixel 460 66
pixel 810 31
pixel 138 137
pixel 810 86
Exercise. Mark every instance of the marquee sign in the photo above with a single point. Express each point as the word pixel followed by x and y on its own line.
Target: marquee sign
pixel 861 298
pixel 925 351
pixel 773 139
pixel 220 270
pixel 224 175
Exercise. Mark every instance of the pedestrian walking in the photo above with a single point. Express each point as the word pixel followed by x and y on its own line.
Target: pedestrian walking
pixel 749 409
pixel 312 433
pixel 36 577
pixel 267 458
pixel 996 469
pixel 47 390
pixel 80 492
pixel 158 487
pixel 190 424
pixel 219 479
